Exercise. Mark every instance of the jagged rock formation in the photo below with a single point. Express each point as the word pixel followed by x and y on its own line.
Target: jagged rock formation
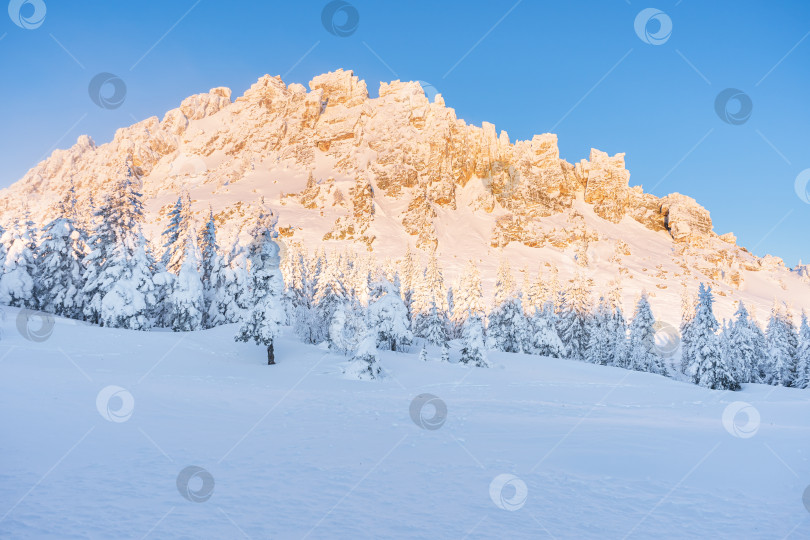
pixel 336 160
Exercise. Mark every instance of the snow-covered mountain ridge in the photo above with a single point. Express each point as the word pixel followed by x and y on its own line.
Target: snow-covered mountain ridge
pixel 343 168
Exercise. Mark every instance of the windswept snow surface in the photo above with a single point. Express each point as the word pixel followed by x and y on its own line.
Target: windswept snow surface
pixel 296 450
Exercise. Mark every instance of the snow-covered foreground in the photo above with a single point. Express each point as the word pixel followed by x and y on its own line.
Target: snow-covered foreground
pixel 296 450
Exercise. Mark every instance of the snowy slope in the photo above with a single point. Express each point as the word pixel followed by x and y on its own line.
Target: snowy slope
pixel 296 450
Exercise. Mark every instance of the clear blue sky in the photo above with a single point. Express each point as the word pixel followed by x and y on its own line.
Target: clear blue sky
pixel 576 68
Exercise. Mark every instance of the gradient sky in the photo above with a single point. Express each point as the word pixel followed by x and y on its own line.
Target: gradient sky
pixel 574 68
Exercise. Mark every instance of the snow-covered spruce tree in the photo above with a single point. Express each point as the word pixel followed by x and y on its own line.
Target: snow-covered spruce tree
pixel 20 271
pixel 213 274
pixel 185 306
pixel 468 297
pixel 803 354
pixel 347 327
pixel 100 244
pixel 545 340
pixel 642 355
pixel 60 279
pixel 388 319
pixel 473 350
pixel 364 363
pixel 408 274
pixel 535 298
pixel 127 276
pixel 423 357
pixel 600 348
pixel 782 347
pixel 507 328
pixel 445 353
pixel 262 323
pixel 741 348
pixel 429 306
pixel 688 309
pixel 330 294
pixel 617 329
pixel 3 249
pixel 174 235
pixel 707 367
pixel 572 317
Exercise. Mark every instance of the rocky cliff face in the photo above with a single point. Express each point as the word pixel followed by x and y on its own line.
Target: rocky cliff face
pixel 350 160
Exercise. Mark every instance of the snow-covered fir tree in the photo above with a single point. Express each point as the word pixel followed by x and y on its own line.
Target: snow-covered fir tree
pixel 423 357
pixel 473 351
pixel 213 274
pixel 347 327
pixel 572 317
pixel 803 354
pixel 601 344
pixel 707 367
pixel 20 270
pixel 544 338
pixel 742 347
pixel 688 309
pixel 185 306
pixel 127 276
pixel 409 270
pixel 364 364
pixel 617 329
pixel 330 294
pixel 468 298
pixel 262 322
pixel 388 318
pixel 507 329
pixel 782 347
pixel 174 236
pixel 60 279
pixel 429 306
pixel 642 354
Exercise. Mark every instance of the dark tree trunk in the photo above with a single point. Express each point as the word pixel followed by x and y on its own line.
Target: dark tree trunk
pixel 271 356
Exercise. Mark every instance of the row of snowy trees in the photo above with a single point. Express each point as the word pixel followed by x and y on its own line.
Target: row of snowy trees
pixel 102 269
pixel 340 298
